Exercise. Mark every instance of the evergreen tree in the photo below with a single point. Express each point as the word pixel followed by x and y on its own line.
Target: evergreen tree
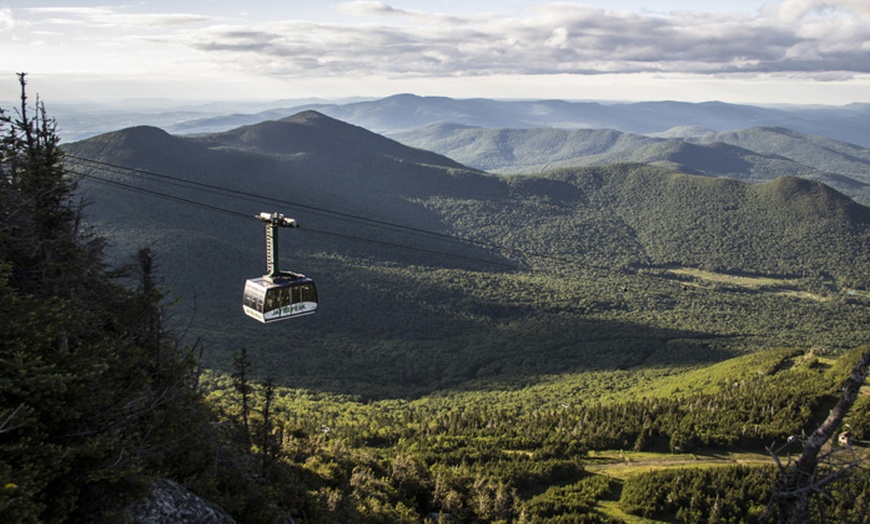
pixel 242 384
pixel 267 440
pixel 93 395
pixel 50 255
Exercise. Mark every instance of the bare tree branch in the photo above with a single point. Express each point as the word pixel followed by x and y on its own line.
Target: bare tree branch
pixel 800 482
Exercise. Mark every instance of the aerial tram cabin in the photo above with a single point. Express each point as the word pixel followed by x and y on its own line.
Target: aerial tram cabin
pixel 278 295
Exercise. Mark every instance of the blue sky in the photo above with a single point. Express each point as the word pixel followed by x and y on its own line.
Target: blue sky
pixel 787 51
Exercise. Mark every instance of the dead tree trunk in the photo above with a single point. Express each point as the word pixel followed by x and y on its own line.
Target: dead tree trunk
pixel 802 481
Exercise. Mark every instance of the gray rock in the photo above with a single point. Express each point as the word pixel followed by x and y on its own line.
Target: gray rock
pixel 170 502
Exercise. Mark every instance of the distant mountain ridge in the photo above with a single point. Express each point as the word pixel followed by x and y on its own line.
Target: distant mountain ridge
pixel 713 138
pixel 754 154
pixel 312 133
pixel 407 112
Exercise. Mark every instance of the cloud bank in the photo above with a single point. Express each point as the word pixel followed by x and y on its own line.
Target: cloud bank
pixel 791 50
pixel 823 39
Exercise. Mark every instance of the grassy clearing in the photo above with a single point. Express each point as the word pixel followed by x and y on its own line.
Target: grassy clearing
pixel 737 280
pixel 774 286
pixel 621 465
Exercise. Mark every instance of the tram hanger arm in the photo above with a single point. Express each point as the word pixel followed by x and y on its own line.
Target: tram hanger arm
pixel 277 219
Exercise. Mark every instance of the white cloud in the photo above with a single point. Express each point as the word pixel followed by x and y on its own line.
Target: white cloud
pixel 375 10
pixel 368 8
pixel 794 11
pixel 554 38
pixel 559 38
pixel 7 21
pixel 108 17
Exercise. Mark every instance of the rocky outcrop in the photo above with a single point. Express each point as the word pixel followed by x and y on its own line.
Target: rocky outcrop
pixel 171 502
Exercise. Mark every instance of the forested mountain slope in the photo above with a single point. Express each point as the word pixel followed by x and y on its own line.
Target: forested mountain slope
pixel 752 154
pixel 658 217
pixel 432 275
pixel 842 164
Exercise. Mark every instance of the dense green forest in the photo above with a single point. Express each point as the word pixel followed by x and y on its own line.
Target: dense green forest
pixel 518 384
pixel 539 454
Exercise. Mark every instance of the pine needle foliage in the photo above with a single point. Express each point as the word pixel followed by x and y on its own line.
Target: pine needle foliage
pixel 95 398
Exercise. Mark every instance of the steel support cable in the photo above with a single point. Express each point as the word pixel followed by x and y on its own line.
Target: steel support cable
pixel 187 184
pixel 238 214
pixel 339 214
pixel 172 181
pixel 159 194
pixel 401 246
pixel 345 216
pixel 244 194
